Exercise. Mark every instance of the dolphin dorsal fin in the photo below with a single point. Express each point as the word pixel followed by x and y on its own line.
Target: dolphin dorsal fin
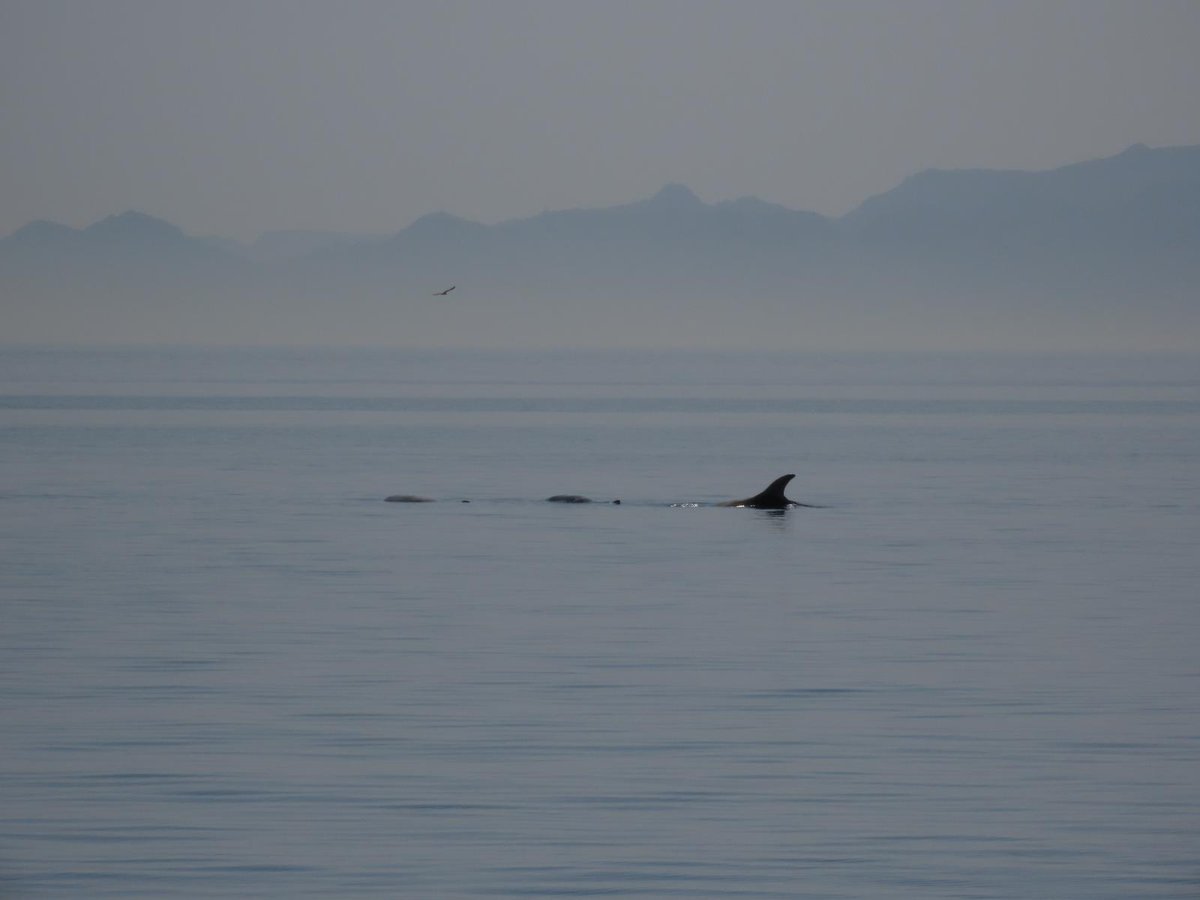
pixel 774 491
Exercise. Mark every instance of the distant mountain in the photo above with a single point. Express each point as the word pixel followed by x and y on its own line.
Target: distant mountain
pixel 670 243
pixel 1099 253
pixel 1121 230
pixel 132 228
pixel 1141 193
pixel 127 277
pixel 129 237
pixel 40 234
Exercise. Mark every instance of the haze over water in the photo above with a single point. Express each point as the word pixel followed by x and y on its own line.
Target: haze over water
pixel 231 670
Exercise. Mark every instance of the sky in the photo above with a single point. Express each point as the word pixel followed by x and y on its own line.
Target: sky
pixel 233 117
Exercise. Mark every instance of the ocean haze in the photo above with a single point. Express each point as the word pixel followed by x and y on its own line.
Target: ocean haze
pixel 927 175
pixel 233 118
pixel 1096 254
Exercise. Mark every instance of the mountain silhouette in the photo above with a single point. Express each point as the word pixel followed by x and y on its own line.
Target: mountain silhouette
pixel 1093 253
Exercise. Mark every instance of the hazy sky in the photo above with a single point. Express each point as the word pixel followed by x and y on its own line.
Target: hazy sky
pixel 236 116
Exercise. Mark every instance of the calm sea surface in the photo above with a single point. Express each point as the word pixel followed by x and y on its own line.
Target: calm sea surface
pixel 230 670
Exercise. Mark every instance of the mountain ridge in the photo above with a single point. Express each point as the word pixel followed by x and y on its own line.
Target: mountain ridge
pixel 931 185
pixel 1106 248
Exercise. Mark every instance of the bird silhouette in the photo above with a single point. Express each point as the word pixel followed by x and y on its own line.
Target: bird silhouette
pixel 445 292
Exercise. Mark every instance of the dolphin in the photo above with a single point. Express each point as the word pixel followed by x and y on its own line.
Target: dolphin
pixel 572 498
pixel 771 498
pixel 407 498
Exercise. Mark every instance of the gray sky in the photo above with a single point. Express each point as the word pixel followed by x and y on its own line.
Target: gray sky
pixel 237 116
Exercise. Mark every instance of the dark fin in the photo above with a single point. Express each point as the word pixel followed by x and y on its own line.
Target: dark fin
pixel 773 495
pixel 772 498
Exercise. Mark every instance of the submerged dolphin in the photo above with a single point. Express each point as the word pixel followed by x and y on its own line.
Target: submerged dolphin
pixel 771 498
pixel 407 498
pixel 573 498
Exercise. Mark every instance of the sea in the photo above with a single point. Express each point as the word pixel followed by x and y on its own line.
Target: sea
pixel 228 668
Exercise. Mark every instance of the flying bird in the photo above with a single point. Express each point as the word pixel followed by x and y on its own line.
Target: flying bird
pixel 445 292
